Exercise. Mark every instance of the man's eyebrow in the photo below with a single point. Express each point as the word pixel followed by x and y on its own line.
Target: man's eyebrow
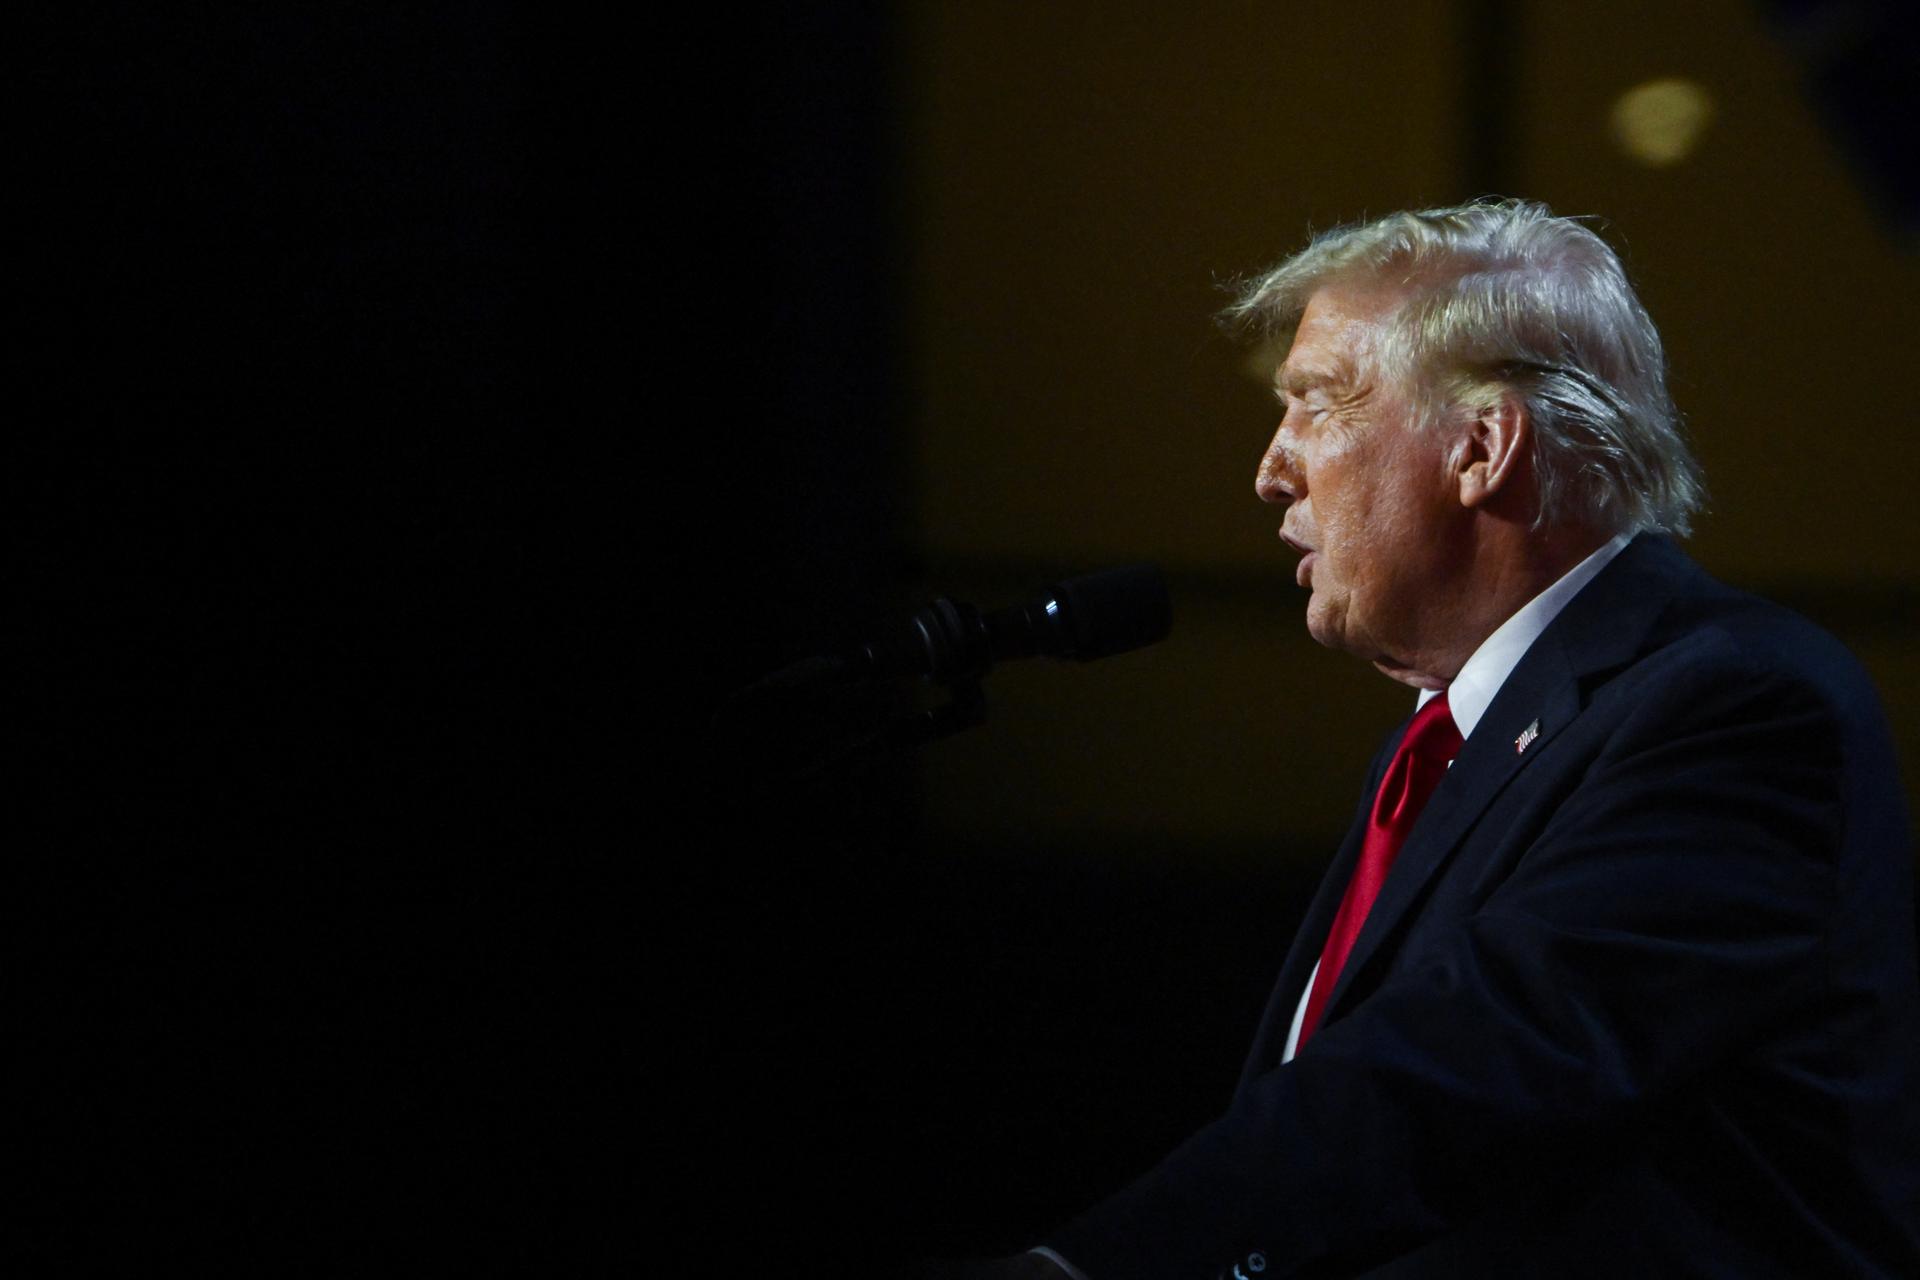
pixel 1296 381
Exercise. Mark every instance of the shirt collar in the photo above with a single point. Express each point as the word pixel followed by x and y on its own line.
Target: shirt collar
pixel 1473 690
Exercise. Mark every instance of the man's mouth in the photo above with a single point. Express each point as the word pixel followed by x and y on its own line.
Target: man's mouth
pixel 1307 557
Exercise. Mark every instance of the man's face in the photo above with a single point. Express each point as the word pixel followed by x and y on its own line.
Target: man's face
pixel 1367 495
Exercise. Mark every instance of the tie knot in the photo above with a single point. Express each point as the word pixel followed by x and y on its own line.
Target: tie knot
pixel 1433 735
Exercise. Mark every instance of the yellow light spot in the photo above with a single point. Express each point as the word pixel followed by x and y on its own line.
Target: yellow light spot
pixel 1659 123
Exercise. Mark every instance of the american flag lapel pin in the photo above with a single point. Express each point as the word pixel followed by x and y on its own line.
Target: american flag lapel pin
pixel 1525 740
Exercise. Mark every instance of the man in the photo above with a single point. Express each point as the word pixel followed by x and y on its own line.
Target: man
pixel 1615 974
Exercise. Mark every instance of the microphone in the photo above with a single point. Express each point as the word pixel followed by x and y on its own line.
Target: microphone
pixel 1092 616
pixel 807 719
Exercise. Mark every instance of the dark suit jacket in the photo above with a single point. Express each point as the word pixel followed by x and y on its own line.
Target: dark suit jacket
pixel 1637 1000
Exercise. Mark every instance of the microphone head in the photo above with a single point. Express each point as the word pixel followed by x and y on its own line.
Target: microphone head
pixel 1101 614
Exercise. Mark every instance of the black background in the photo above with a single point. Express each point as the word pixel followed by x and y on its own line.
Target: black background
pixel 431 413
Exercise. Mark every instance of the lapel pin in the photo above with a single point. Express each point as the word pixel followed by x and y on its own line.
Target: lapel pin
pixel 1525 740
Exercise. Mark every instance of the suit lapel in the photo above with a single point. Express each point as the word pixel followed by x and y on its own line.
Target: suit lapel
pixel 1601 628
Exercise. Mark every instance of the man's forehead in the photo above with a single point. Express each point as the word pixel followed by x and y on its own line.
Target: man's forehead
pixel 1339 324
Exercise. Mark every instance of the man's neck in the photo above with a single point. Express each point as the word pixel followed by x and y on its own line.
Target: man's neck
pixel 1479 680
pixel 1518 567
pixel 1503 566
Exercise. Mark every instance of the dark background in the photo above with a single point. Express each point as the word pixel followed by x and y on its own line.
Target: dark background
pixel 432 413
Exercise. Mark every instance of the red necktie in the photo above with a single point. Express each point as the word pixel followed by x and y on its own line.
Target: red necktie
pixel 1430 743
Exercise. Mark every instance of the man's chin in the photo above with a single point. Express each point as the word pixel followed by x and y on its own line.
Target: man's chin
pixel 1322 628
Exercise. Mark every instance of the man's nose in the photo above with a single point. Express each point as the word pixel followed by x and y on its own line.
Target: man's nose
pixel 1278 479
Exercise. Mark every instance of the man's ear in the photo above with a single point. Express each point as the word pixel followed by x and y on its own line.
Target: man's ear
pixel 1493 449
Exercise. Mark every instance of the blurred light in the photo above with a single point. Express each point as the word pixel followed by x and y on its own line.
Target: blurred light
pixel 1659 123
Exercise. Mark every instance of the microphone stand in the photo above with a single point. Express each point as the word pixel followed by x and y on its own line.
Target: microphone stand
pixel 820 715
pixel 966 708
